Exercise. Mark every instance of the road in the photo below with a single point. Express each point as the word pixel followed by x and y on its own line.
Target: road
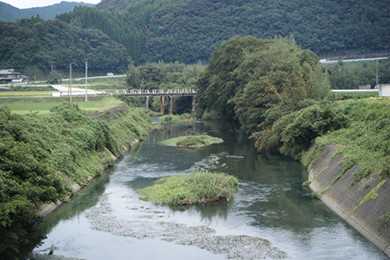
pixel 64 90
pixel 330 61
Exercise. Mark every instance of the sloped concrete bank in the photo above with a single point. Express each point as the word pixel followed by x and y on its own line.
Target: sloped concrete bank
pixel 360 205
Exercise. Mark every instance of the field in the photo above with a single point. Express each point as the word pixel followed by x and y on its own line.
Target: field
pixel 43 105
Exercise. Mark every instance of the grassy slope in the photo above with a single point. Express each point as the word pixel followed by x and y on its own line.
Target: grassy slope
pixel 43 106
pixel 39 151
pixel 365 141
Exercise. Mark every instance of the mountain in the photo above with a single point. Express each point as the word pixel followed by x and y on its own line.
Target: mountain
pixel 8 13
pixel 115 5
pixel 188 31
pixel 37 43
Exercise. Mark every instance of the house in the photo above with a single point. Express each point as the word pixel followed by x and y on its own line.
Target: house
pixel 10 75
pixel 384 90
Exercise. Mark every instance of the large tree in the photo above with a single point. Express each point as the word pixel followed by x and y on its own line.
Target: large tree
pixel 258 81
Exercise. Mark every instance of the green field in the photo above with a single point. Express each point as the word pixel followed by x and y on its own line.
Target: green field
pixel 108 84
pixel 24 93
pixel 43 105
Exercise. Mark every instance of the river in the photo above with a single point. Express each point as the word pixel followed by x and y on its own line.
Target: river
pixel 271 216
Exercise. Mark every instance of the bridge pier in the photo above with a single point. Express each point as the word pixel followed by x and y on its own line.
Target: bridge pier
pixel 170 105
pixel 147 105
pixel 193 109
pixel 162 105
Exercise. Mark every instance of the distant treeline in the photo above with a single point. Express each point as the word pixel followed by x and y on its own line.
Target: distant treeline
pixel 38 43
pixel 188 31
pixel 143 31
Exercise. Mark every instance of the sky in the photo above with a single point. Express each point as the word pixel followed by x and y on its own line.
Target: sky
pixel 39 3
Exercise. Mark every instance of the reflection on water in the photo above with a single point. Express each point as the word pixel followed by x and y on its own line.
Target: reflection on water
pixel 107 219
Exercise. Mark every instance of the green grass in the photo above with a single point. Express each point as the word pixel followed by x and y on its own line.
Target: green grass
pixel 168 119
pixel 108 84
pixel 366 140
pixel 370 196
pixel 24 93
pixel 43 106
pixel 195 188
pixel 192 141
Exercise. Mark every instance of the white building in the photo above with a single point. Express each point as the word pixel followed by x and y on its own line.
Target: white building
pixel 384 90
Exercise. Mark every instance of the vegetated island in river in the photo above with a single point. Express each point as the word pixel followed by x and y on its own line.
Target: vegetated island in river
pixel 196 188
pixel 192 141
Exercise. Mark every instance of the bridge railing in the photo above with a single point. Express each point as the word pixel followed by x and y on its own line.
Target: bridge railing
pixel 142 92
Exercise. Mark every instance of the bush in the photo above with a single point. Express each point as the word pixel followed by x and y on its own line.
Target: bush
pixel 296 131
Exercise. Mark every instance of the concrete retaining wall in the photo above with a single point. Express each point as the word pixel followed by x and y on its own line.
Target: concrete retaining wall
pixel 348 201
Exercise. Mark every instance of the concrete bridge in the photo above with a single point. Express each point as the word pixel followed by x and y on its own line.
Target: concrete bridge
pixel 170 93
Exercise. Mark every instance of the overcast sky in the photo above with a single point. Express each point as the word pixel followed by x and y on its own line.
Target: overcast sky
pixel 39 3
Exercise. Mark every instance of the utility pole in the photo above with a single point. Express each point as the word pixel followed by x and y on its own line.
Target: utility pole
pixel 377 76
pixel 86 80
pixel 70 83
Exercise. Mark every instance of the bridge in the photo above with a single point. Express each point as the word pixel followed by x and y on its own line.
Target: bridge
pixel 170 93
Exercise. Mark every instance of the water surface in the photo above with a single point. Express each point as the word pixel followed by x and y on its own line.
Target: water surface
pixel 271 216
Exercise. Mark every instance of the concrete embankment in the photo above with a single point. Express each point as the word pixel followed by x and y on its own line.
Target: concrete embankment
pixel 361 204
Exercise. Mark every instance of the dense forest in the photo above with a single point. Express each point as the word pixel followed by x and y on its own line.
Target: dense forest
pixel 8 13
pixel 127 27
pixel 37 43
pixel 115 5
pixel 188 31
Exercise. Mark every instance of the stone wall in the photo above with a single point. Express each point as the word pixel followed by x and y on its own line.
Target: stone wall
pixel 360 205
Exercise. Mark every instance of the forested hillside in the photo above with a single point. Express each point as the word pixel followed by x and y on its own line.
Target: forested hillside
pixel 187 31
pixel 34 42
pixel 8 13
pixel 115 5
pixel 192 29
pixel 128 27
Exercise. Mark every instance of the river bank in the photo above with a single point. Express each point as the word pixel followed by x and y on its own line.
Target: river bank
pixel 48 158
pixel 361 205
pixel 109 158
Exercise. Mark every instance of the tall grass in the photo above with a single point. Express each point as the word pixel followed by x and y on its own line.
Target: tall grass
pixel 191 141
pixel 197 187
pixel 366 140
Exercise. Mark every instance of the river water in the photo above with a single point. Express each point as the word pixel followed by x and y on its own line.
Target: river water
pixel 272 216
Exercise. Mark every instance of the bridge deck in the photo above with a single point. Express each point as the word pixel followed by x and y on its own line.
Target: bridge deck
pixel 159 93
